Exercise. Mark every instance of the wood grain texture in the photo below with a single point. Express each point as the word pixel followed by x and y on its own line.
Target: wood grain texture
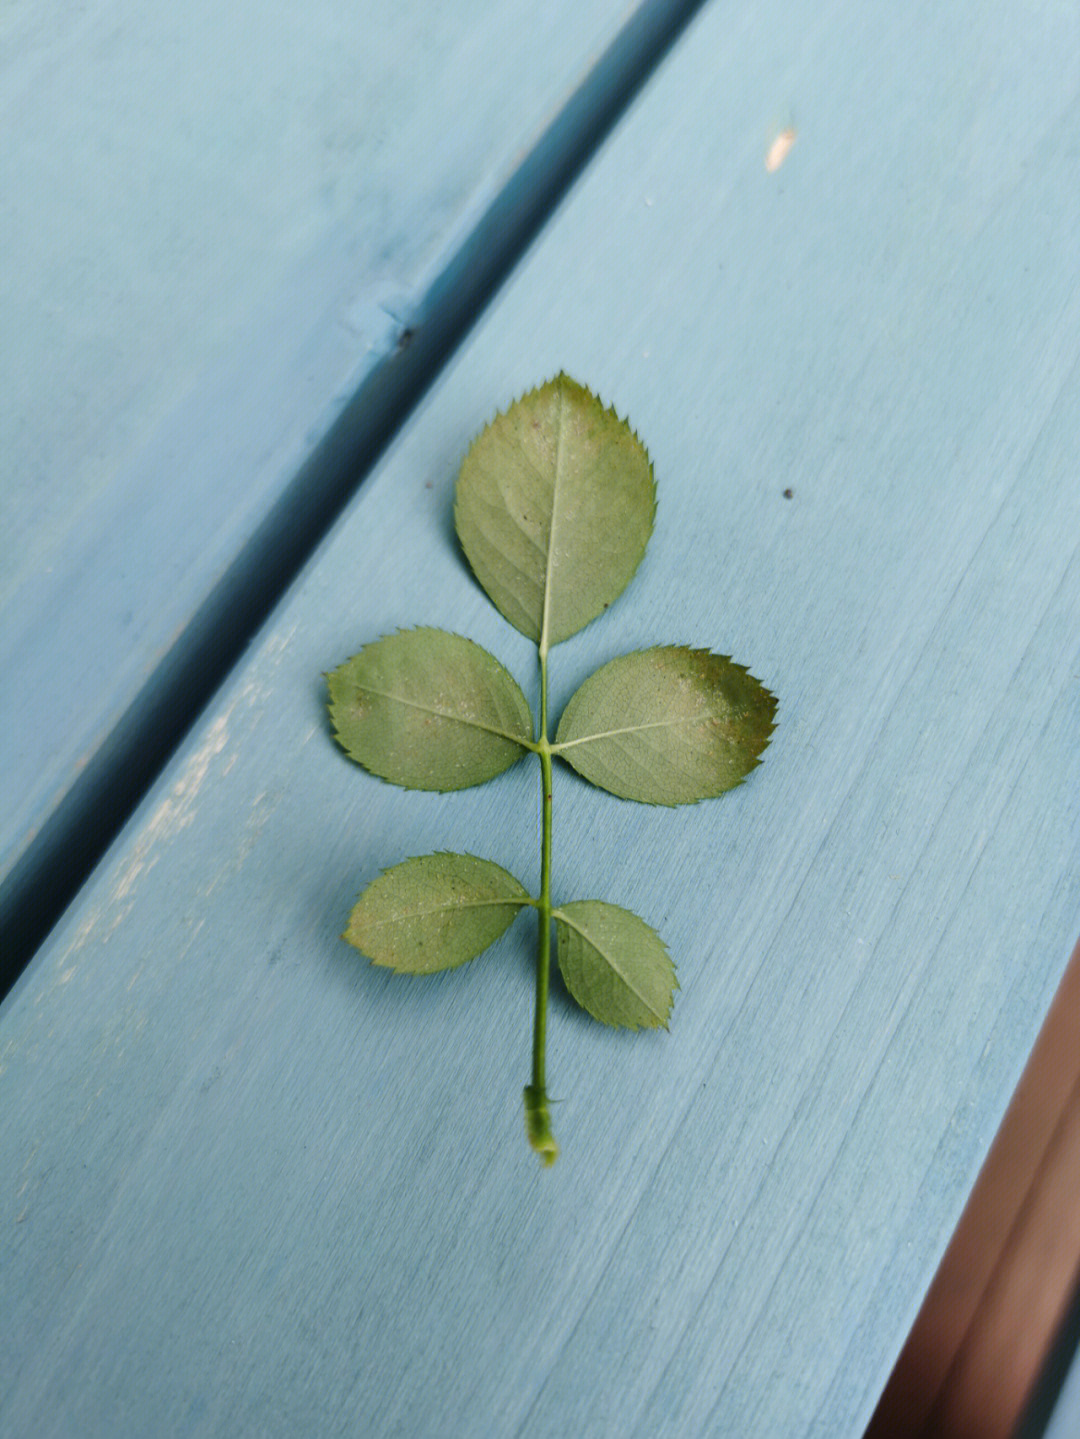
pixel 216 225
pixel 256 1186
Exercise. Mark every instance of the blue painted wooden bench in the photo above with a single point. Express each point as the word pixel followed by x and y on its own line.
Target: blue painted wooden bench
pixel 236 245
pixel 255 1186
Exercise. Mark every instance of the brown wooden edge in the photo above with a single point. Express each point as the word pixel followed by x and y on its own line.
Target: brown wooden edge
pixel 988 1325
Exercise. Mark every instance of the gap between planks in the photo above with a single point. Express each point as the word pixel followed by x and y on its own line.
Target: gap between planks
pixel 84 824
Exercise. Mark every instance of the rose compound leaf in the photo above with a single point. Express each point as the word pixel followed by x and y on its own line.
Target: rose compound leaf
pixel 429 710
pixel 667 726
pixel 434 912
pixel 554 508
pixel 614 964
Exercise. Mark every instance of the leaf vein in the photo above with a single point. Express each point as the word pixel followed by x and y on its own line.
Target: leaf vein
pixel 448 715
pixel 559 447
pixel 441 908
pixel 632 729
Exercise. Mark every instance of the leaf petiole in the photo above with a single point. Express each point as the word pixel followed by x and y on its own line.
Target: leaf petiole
pixel 537 1117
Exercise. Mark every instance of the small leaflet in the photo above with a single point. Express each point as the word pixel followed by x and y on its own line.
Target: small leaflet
pixel 615 965
pixel 429 710
pixel 669 725
pixel 434 912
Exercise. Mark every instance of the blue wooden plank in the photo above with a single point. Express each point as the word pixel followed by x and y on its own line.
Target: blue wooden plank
pixel 218 229
pixel 261 1186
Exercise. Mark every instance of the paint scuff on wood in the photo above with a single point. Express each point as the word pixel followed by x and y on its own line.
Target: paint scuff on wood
pixel 177 810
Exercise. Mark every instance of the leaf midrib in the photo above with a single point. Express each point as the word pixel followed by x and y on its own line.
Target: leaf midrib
pixel 447 715
pixel 545 622
pixel 558 748
pixel 561 914
pixel 440 908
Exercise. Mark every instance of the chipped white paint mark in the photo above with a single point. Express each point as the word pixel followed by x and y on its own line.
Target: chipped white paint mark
pixel 779 150
pixel 187 787
pixel 276 645
pixel 82 934
pixel 175 812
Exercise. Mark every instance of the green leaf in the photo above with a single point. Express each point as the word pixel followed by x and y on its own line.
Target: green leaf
pixel 667 726
pixel 429 710
pixel 614 964
pixel 555 505
pixel 434 912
